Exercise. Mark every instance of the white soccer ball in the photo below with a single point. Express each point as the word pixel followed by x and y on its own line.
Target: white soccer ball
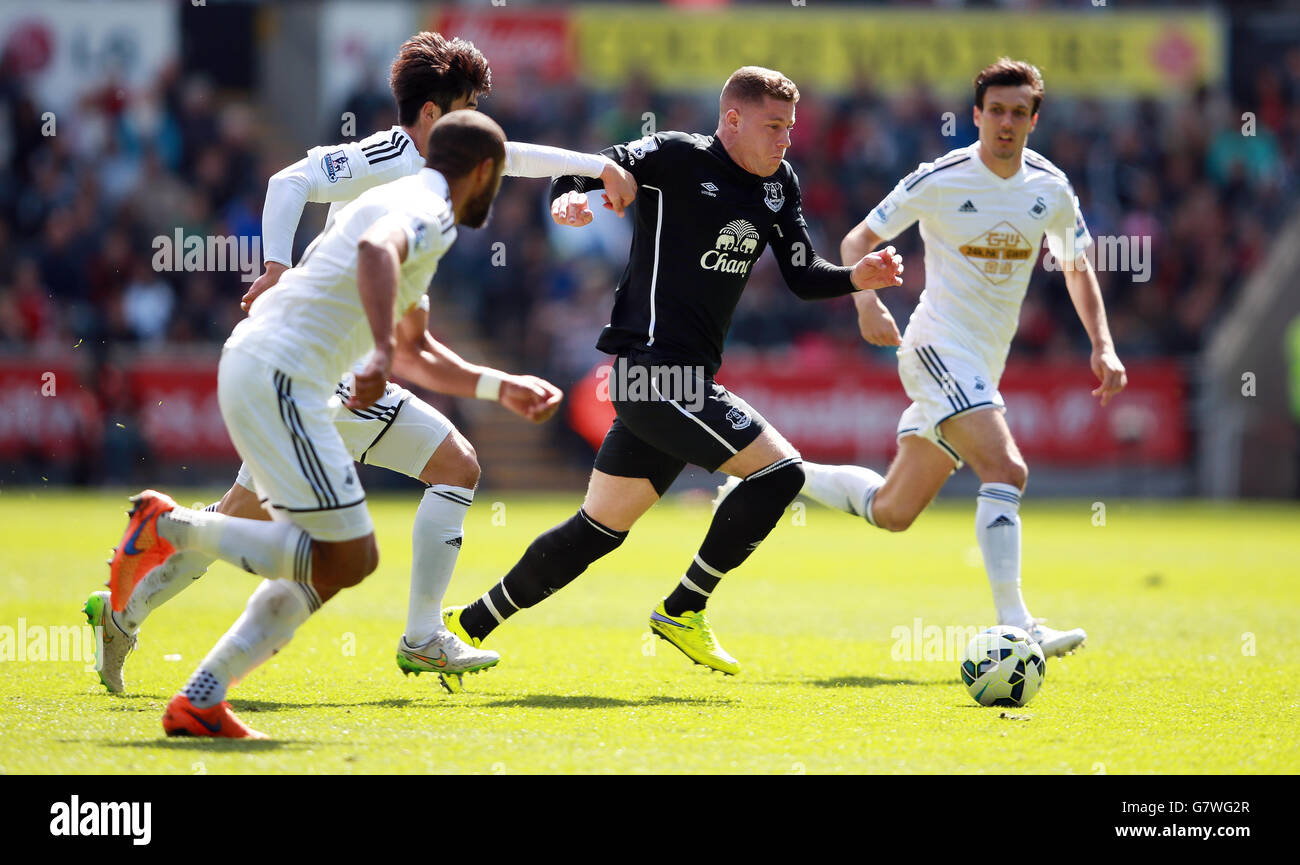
pixel 1003 666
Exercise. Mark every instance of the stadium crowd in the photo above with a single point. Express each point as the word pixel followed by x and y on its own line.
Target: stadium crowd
pixel 81 211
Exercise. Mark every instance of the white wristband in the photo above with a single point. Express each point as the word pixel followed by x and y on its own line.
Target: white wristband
pixel 489 385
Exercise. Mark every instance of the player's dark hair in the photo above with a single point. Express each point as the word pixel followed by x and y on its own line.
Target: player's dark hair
pixel 751 84
pixel 460 140
pixel 1005 72
pixel 430 68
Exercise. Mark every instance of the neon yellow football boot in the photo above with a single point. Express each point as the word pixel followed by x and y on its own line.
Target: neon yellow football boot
pixel 691 633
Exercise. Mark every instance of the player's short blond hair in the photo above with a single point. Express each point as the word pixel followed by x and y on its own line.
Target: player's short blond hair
pixel 1005 72
pixel 750 84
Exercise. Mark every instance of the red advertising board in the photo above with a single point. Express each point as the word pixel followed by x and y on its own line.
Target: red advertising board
pixel 44 409
pixel 845 410
pixel 529 44
pixel 179 414
pixel 51 407
pixel 848 410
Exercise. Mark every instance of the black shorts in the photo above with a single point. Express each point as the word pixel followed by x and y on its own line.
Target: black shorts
pixel 668 416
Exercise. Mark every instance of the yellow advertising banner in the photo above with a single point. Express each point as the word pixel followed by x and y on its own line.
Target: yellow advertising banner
pixel 1095 52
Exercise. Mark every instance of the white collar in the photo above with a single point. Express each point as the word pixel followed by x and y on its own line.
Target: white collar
pixel 432 179
pixel 975 155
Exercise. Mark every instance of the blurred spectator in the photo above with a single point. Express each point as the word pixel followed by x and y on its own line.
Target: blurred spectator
pixel 147 304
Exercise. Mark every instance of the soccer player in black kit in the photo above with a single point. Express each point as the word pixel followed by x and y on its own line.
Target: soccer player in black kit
pixel 707 207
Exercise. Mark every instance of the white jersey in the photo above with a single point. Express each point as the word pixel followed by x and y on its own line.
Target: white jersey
pixel 982 235
pixel 338 173
pixel 312 323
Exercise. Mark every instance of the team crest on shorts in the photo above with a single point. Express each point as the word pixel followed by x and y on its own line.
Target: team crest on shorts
pixel 773 196
pixel 738 418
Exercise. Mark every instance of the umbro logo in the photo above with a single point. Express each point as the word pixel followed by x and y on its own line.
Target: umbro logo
pixel 968 207
pixel 709 189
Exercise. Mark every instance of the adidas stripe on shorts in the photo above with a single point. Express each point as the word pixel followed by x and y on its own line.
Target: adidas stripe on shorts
pixel 942 382
pixel 283 428
pixel 399 431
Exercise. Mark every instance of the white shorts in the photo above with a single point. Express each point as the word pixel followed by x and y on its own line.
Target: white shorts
pixel 283 429
pixel 943 383
pixel 399 431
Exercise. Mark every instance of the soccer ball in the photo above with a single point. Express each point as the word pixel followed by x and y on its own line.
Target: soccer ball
pixel 1003 666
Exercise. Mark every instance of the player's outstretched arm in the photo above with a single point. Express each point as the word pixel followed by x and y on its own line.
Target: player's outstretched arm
pixel 812 277
pixel 1085 293
pixel 425 362
pixel 637 162
pixel 540 160
pixel 877 270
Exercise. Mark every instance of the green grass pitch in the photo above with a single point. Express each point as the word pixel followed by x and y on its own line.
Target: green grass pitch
pixel 1192 665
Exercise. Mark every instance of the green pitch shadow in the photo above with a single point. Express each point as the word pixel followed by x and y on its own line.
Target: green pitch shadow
pixel 866 682
pixel 272 706
pixel 568 701
pixel 210 745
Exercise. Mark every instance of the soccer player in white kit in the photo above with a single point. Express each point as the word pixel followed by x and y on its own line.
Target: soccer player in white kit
pixel 276 387
pixel 401 432
pixel 983 212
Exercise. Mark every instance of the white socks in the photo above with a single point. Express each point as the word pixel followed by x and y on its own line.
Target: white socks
pixel 997 527
pixel 164 583
pixel 273 550
pixel 436 538
pixel 273 613
pixel 846 488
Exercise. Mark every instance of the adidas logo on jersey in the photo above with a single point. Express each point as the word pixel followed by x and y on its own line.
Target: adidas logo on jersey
pixel 968 207
pixel 1002 520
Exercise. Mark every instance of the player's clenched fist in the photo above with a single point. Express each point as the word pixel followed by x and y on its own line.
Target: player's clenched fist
pixel 571 208
pixel 530 397
pixel 368 385
pixel 878 270
pixel 620 187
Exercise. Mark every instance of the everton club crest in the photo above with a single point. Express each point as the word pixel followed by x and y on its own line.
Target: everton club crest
pixel 774 196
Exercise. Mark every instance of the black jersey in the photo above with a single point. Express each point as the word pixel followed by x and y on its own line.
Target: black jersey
pixel 702 221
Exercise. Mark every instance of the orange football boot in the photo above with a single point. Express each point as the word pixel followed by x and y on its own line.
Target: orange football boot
pixel 182 718
pixel 142 549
